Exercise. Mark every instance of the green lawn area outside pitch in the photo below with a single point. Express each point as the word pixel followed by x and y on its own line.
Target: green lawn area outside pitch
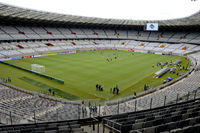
pixel 83 70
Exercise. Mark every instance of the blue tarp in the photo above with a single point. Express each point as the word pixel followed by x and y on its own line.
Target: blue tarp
pixel 169 78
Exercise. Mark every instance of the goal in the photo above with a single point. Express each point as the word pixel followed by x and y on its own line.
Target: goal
pixel 37 68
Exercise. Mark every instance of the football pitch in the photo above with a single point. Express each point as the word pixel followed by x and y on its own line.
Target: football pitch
pixel 83 70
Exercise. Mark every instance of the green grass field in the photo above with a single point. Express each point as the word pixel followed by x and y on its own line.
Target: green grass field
pixel 83 70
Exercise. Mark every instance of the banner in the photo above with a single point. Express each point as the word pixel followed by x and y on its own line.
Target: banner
pixel 50 54
pixel 33 56
pixel 125 49
pixel 24 57
pixel 5 59
pixel 60 53
pixel 131 50
pixel 16 58
pixel 72 52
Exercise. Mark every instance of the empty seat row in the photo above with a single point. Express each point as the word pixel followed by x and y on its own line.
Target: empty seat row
pixel 24 33
pixel 157 120
pixel 53 127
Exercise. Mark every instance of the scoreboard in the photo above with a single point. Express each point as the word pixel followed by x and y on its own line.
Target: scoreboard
pixel 152 27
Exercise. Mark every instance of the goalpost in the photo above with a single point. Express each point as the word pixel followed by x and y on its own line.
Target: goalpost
pixel 37 68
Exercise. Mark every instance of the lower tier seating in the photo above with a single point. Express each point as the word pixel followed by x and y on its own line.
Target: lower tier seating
pixel 53 127
pixel 177 118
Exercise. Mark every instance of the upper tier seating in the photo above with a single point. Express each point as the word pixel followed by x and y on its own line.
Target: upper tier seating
pixel 89 33
pixel 177 37
pixel 24 33
pixel 122 34
pixel 111 34
pixel 189 37
pixel 154 36
pixel 101 33
pixel 13 32
pixel 13 49
pixel 143 35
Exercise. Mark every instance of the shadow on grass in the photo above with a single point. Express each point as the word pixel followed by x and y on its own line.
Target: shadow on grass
pixel 45 87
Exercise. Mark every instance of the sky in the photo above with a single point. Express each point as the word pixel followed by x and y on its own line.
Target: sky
pixel 117 9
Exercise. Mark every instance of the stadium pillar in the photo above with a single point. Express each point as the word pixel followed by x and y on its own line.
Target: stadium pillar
pixel 98 119
pixel 177 98
pixel 151 103
pixel 93 125
pixel 11 118
pixel 99 109
pixel 34 117
pixel 57 114
pixel 195 94
pixel 78 112
pixel 135 105
pixel 90 113
pixel 118 107
pixel 188 95
pixel 165 100
pixel 98 126
pixel 103 126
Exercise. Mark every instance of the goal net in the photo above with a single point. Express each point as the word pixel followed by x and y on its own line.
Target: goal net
pixel 37 68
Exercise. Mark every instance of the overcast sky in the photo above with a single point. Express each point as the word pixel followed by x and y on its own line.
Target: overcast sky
pixel 119 9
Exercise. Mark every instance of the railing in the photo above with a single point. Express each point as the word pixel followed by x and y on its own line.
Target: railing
pixel 117 127
pixel 112 125
pixel 9 117
pixel 40 94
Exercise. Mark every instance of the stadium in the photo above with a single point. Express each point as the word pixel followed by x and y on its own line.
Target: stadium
pixel 75 74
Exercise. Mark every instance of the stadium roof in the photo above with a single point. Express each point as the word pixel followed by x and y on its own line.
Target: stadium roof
pixel 11 12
